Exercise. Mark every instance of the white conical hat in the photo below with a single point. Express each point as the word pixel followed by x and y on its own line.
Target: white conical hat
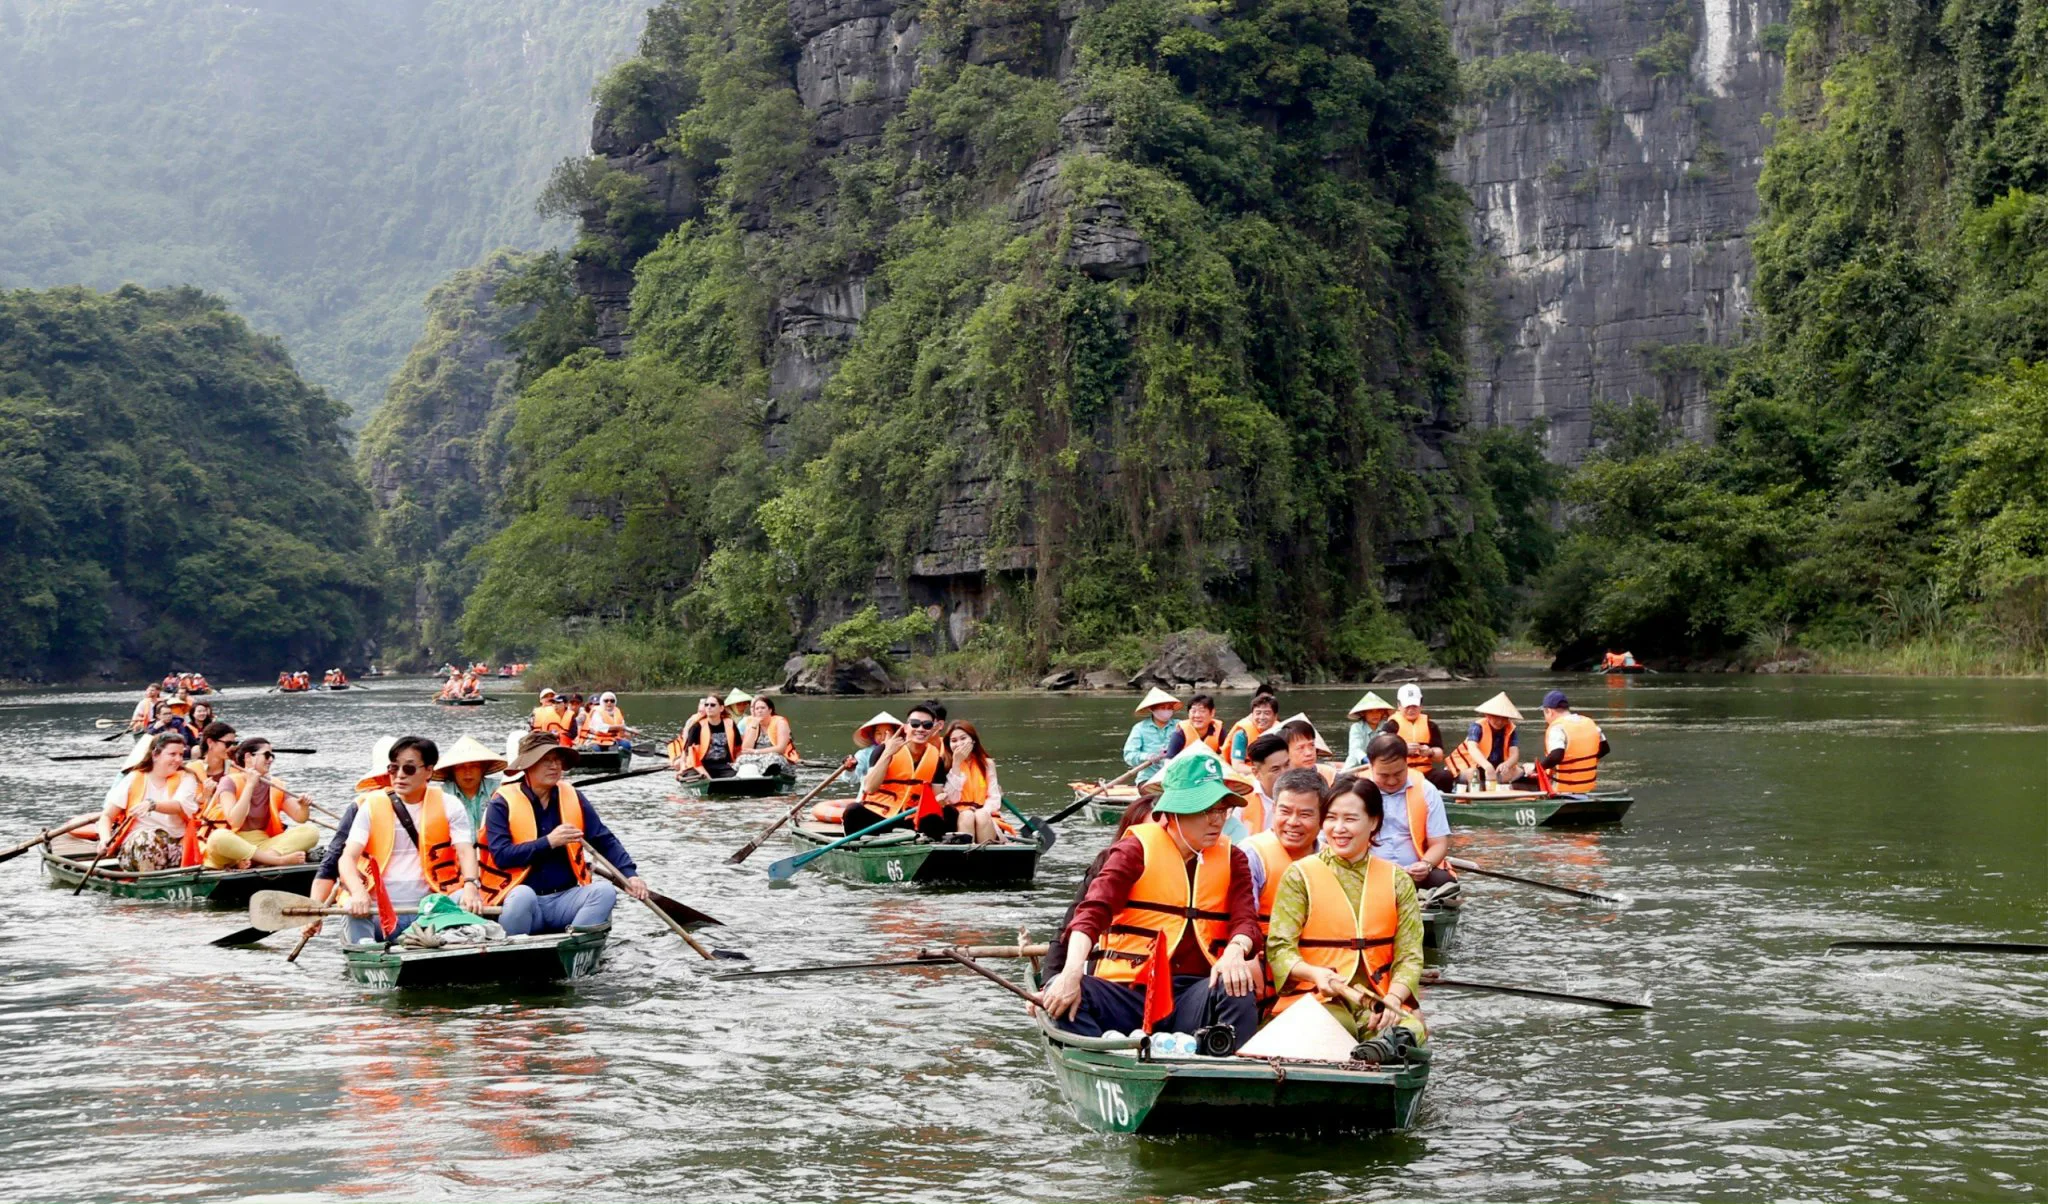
pixel 468 751
pixel 862 735
pixel 1302 717
pixel 1499 705
pixel 1157 698
pixel 138 755
pixel 738 698
pixel 1371 702
pixel 1306 1030
pixel 379 775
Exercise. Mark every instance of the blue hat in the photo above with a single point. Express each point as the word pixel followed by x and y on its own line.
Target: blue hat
pixel 1555 701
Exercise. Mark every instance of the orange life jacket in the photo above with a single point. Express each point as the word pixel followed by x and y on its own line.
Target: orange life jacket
pixel 523 826
pixel 767 737
pixel 1163 902
pixel 908 783
pixel 554 720
pixel 1213 737
pixel 1469 756
pixel 1579 771
pixel 1275 857
pixel 438 863
pixel 137 786
pixel 693 754
pixel 1337 936
pixel 1418 816
pixel 215 814
pixel 615 731
pixel 1251 733
pixel 1255 812
pixel 1415 732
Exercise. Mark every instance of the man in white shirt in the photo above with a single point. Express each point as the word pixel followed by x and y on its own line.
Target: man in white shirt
pixel 406 843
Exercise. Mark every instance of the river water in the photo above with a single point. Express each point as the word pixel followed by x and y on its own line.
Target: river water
pixel 1773 815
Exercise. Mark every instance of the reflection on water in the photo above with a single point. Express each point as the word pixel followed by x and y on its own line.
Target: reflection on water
pixel 136 1061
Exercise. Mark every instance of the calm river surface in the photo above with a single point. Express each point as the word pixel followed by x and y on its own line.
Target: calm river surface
pixel 1773 815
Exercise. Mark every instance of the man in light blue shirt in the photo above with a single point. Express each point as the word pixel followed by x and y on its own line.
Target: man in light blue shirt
pixel 1146 745
pixel 1387 762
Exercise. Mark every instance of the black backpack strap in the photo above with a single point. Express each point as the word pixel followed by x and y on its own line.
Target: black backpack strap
pixel 405 821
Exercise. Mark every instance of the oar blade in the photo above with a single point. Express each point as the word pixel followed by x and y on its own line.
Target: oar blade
pixel 682 913
pixel 267 909
pixel 839 968
pixel 240 936
pixel 785 869
pixel 1941 946
pixel 1503 988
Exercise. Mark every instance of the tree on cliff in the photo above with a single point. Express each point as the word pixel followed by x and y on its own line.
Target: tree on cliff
pixel 171 493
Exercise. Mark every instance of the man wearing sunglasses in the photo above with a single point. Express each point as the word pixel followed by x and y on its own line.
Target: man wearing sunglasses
pixel 406 842
pixel 899 780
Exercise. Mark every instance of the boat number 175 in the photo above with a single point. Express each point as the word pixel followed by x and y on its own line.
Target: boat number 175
pixel 1109 1103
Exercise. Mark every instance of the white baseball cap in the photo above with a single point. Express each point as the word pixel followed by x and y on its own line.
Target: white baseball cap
pixel 1410 695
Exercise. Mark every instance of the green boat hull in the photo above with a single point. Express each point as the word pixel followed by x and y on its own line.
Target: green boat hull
pixel 1541 811
pixel 1439 933
pixel 602 760
pixel 766 786
pixel 898 857
pixel 519 961
pixel 216 888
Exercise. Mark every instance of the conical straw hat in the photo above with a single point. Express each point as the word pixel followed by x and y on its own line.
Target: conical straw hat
pixel 1499 705
pixel 1302 717
pixel 1371 702
pixel 738 698
pixel 1157 698
pixel 864 734
pixel 468 751
pixel 138 755
pixel 379 775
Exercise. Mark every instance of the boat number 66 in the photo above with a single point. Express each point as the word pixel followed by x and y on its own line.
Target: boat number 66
pixel 1109 1102
pixel 895 871
pixel 1525 816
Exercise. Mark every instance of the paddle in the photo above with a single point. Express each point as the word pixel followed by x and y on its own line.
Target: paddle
pixel 277 910
pixel 1045 836
pixel 930 956
pixel 748 849
pixel 117 735
pixel 610 872
pixel 1501 988
pixel 305 939
pixel 954 955
pixel 50 833
pixel 118 756
pixel 619 777
pixel 1941 946
pixel 785 869
pixel 92 864
pixel 1470 868
pixel 1090 797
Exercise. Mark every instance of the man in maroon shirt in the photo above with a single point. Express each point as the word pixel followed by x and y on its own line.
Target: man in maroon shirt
pixel 1091 995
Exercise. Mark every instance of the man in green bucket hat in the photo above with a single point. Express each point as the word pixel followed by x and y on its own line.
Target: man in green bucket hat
pixel 1165 937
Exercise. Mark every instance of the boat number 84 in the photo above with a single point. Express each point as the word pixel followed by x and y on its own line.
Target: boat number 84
pixel 1109 1102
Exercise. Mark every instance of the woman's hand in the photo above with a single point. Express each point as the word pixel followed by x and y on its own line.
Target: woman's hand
pixel 1325 981
pixel 1234 971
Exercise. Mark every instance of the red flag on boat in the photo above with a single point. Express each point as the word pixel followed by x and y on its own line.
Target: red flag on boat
pixel 1157 977
pixel 387 915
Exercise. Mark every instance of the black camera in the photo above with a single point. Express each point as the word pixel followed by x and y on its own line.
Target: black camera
pixel 1396 1044
pixel 1215 1039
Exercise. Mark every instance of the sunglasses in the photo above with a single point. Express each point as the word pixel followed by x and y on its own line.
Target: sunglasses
pixel 922 725
pixel 406 768
pixel 262 752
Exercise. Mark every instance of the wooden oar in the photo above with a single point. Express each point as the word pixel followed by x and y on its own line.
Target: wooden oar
pixel 305 939
pixel 1943 946
pixel 86 757
pixel 1470 868
pixel 1503 988
pixel 49 834
pixel 786 868
pixel 747 850
pixel 932 956
pixel 117 735
pixel 611 873
pixel 954 955
pixel 620 777
pixel 277 910
pixel 114 840
pixel 1092 795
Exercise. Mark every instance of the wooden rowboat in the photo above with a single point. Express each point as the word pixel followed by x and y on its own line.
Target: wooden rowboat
pixel 603 760
pixel 461 702
pixel 766 785
pixel 901 856
pixel 518 961
pixel 67 861
pixel 1112 1088
pixel 1530 809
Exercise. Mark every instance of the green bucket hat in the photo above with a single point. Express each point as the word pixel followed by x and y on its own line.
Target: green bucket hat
pixel 1192 785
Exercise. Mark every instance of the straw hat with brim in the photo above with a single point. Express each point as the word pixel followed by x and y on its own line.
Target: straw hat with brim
pixel 468 751
pixel 738 698
pixel 537 745
pixel 379 776
pixel 1157 698
pixel 1499 705
pixel 1192 785
pixel 1303 719
pixel 178 704
pixel 1371 702
pixel 864 735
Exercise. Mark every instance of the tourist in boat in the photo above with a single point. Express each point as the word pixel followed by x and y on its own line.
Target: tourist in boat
pixel 1299 797
pixel 1237 742
pixel 1371 713
pixel 244 820
pixel 765 738
pixel 328 876
pixel 605 727
pixel 1618 660
pixel 1146 745
pixel 972 797
pixel 468 774
pixel 706 745
pixel 407 840
pixel 552 716
pixel 451 689
pixel 202 716
pixel 1344 917
pixel 1305 746
pixel 1413 831
pixel 1425 739
pixel 579 714
pixel 867 738
pixel 175 716
pixel 1489 753
pixel 1178 855
pixel 1266 759
pixel 534 830
pixel 472 686
pixel 1573 747
pixel 210 757
pixel 898 783
pixel 145 711
pixel 1200 727
pixel 162 800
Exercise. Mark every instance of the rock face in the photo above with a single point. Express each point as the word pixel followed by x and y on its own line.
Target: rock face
pixel 823 675
pixel 1610 205
pixel 1195 659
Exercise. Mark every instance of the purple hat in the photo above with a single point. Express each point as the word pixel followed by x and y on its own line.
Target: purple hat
pixel 1555 701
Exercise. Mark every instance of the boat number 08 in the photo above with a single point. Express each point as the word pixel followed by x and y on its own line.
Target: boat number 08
pixel 895 871
pixel 1525 816
pixel 1109 1102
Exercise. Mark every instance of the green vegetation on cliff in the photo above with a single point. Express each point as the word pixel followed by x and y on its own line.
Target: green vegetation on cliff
pixel 171 493
pixel 1879 476
pixel 1219 428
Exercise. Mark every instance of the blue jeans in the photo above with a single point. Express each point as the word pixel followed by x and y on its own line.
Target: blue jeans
pixel 1113 1007
pixel 355 931
pixel 577 907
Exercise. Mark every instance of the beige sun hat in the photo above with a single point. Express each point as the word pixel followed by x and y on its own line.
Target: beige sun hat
pixel 1500 706
pixel 864 734
pixel 536 745
pixel 738 698
pixel 379 775
pixel 1157 698
pixel 138 756
pixel 468 751
pixel 1371 702
pixel 1302 718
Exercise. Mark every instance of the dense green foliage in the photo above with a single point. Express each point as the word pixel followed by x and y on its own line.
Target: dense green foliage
pixel 172 495
pixel 319 165
pixel 1877 475
pixel 1224 436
